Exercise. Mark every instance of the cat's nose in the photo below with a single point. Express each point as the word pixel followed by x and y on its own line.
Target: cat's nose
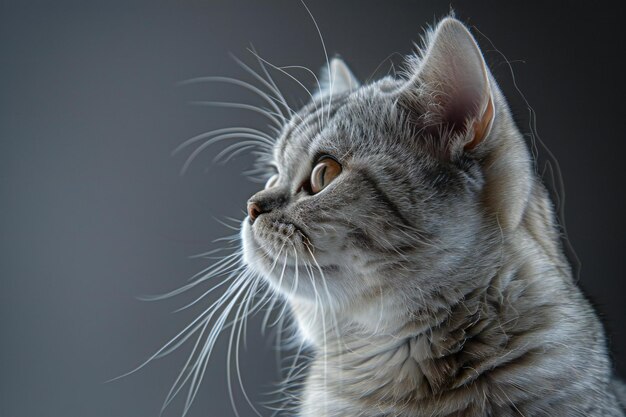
pixel 254 210
pixel 266 201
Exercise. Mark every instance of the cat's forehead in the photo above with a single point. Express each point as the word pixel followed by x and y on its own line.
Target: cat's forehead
pixel 342 125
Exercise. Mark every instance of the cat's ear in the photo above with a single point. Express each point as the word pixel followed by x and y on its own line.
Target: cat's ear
pixel 449 88
pixel 336 79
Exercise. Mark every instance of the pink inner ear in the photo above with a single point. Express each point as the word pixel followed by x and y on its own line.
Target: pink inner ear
pixel 481 126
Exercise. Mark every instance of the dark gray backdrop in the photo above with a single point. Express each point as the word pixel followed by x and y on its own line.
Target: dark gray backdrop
pixel 93 212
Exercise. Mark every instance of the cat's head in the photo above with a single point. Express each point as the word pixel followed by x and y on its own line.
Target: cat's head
pixel 401 187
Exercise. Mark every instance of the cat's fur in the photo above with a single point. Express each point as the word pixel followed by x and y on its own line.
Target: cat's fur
pixel 428 277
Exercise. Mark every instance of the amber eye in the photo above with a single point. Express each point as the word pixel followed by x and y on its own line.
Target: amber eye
pixel 324 172
pixel 271 181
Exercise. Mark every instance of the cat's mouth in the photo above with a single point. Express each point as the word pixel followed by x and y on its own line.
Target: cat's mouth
pixel 284 254
pixel 280 239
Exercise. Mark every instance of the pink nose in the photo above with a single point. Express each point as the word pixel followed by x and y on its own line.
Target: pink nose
pixel 253 210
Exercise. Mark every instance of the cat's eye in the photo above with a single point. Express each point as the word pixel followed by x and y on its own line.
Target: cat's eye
pixel 272 181
pixel 324 172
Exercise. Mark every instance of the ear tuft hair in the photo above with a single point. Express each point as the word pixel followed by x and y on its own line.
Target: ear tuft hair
pixel 448 88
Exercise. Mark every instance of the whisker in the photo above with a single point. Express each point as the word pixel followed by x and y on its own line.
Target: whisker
pixel 288 75
pixel 234 149
pixel 210 142
pixel 206 293
pixel 261 136
pixel 233 331
pixel 312 73
pixel 269 99
pixel 269 83
pixel 186 333
pixel 226 104
pixel 271 307
pixel 200 365
pixel 330 78
pixel 173 390
pixel 208 273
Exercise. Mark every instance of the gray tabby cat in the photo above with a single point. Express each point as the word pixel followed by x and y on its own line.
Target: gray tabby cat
pixel 419 254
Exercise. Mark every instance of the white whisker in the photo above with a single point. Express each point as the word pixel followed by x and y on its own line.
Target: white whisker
pixel 226 104
pixel 270 100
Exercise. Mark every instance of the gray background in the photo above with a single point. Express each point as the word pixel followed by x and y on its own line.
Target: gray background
pixel 93 212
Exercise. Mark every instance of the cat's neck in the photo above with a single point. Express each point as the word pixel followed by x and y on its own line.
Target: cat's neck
pixel 410 364
pixel 426 358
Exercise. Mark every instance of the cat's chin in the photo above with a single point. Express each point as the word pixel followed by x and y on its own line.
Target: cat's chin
pixel 294 273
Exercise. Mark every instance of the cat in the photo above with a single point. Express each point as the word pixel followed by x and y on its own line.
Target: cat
pixel 418 252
